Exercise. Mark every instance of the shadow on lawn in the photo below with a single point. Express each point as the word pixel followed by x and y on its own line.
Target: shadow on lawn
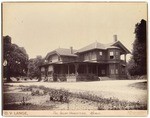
pixel 139 85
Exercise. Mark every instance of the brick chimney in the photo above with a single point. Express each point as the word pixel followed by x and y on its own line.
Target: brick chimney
pixel 115 38
pixel 71 50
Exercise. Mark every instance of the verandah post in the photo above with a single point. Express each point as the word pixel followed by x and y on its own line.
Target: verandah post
pixel 97 69
pixel 68 70
pixel 76 69
pixel 87 69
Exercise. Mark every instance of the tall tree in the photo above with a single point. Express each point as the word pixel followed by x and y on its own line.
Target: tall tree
pixel 33 67
pixel 138 65
pixel 15 59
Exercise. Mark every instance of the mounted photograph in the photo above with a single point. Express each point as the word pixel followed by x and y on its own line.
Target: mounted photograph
pixel 74 59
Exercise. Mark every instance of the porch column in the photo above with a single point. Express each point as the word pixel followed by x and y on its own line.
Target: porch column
pixel 87 69
pixel 68 71
pixel 76 69
pixel 125 58
pixel 97 70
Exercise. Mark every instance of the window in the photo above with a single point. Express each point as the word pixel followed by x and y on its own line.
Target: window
pixel 100 53
pixel 117 53
pixel 111 55
pixel 86 56
pixel 93 56
pixel 112 71
pixel 116 71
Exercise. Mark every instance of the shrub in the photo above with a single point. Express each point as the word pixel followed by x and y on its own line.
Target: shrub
pixel 62 77
pixel 60 95
pixel 87 77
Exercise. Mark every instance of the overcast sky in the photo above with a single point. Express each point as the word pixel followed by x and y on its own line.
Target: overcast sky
pixel 43 27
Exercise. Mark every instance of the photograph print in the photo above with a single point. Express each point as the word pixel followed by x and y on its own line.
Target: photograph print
pixel 74 59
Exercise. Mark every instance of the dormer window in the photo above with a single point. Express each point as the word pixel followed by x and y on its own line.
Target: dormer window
pixel 111 55
pixel 100 53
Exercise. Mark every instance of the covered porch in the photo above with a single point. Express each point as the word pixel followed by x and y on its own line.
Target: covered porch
pixel 72 71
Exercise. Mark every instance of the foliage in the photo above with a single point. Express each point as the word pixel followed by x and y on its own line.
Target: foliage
pixel 132 67
pixel 60 77
pixel 16 57
pixel 60 95
pixel 33 67
pixel 111 103
pixel 87 77
pixel 137 64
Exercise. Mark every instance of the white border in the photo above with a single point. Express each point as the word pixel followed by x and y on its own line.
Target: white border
pixel 81 1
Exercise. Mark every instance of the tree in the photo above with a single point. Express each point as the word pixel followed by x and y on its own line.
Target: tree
pixel 137 65
pixel 33 67
pixel 16 59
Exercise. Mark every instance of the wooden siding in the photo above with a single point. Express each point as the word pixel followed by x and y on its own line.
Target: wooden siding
pixel 53 58
pixel 100 55
pixel 67 59
pixel 116 54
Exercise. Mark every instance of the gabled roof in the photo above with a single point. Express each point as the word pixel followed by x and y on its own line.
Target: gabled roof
pixel 120 45
pixel 96 45
pixel 62 52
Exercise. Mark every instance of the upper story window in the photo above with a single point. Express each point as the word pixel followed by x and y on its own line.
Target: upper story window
pixel 100 53
pixel 93 56
pixel 111 55
pixel 85 56
pixel 117 53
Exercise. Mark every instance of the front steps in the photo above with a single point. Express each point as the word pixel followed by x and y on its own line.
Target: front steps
pixel 106 78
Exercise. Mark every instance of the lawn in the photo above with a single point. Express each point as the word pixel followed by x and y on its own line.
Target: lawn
pixel 100 95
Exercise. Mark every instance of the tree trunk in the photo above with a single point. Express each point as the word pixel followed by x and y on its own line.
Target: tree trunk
pixel 8 74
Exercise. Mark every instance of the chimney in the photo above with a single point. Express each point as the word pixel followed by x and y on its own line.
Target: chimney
pixel 71 50
pixel 115 38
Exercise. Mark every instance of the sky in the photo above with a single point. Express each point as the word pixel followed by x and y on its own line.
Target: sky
pixel 43 27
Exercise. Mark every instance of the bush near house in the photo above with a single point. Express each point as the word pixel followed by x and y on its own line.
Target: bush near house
pixel 87 77
pixel 61 77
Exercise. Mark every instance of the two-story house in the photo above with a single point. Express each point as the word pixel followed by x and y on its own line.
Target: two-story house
pixel 102 60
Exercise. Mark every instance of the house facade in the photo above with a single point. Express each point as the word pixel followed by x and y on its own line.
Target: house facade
pixel 94 60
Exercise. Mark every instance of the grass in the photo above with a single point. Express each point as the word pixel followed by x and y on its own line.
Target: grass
pixel 57 94
pixel 111 103
pixel 26 107
pixel 15 97
pixel 139 85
